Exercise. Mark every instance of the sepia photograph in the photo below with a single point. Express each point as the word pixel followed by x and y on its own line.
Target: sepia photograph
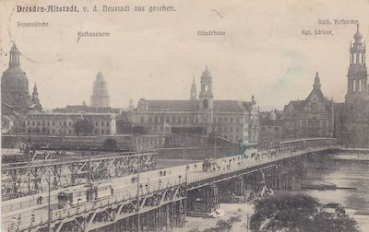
pixel 184 116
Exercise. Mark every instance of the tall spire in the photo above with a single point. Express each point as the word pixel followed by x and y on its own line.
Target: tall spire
pixel 358 36
pixel 193 90
pixel 14 57
pixel 317 84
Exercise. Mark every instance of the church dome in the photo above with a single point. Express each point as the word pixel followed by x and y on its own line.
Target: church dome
pixel 14 80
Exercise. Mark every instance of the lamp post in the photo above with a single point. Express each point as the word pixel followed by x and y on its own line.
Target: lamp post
pixel 49 204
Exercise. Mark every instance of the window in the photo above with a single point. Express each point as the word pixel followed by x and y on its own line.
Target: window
pixel 107 123
pixel 179 120
pixel 156 119
pixel 70 124
pixel 142 119
pixel 354 85
pixel 167 119
pixel 205 104
pixel 102 123
pixel 277 129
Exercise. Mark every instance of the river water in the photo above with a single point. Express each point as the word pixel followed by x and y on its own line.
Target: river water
pixel 344 174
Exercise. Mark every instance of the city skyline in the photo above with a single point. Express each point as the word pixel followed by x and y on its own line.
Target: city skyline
pixel 255 57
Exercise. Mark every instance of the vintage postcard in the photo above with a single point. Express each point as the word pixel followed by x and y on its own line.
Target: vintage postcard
pixel 188 116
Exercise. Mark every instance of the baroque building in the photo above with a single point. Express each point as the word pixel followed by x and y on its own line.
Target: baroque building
pixel 236 121
pixel 352 117
pixel 309 118
pixel 100 96
pixel 16 101
pixel 15 97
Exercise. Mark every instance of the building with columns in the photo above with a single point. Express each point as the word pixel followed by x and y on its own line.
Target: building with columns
pixel 233 120
pixel 309 118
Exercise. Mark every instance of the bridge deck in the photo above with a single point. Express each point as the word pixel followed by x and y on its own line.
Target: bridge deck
pixel 148 184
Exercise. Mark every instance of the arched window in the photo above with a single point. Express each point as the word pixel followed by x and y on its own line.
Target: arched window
pixel 167 119
pixel 205 104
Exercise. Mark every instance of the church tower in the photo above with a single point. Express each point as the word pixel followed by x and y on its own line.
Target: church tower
pixel 193 90
pixel 206 92
pixel 355 128
pixel 35 98
pixel 357 89
pixel 100 96
pixel 357 73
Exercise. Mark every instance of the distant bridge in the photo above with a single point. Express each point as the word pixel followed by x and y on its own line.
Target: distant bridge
pixel 157 200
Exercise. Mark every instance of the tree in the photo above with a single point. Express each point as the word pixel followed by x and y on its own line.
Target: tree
pixel 297 213
pixel 83 127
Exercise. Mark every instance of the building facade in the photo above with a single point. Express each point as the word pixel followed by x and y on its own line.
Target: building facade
pixel 100 96
pixel 64 123
pixel 233 120
pixel 312 117
pixel 271 130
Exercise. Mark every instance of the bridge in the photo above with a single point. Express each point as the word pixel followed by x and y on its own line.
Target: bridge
pixel 31 177
pixel 157 200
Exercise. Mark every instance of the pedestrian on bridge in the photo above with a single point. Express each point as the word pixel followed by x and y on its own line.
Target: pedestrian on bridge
pixel 33 218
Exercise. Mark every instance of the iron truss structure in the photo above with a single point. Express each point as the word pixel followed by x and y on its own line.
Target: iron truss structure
pixel 27 178
pixel 157 211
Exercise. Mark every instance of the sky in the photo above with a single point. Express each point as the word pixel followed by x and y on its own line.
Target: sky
pixel 156 55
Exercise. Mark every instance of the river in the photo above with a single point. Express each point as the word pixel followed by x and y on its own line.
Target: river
pixel 344 174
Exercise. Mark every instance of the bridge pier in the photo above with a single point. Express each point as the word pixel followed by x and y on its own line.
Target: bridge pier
pixel 203 201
